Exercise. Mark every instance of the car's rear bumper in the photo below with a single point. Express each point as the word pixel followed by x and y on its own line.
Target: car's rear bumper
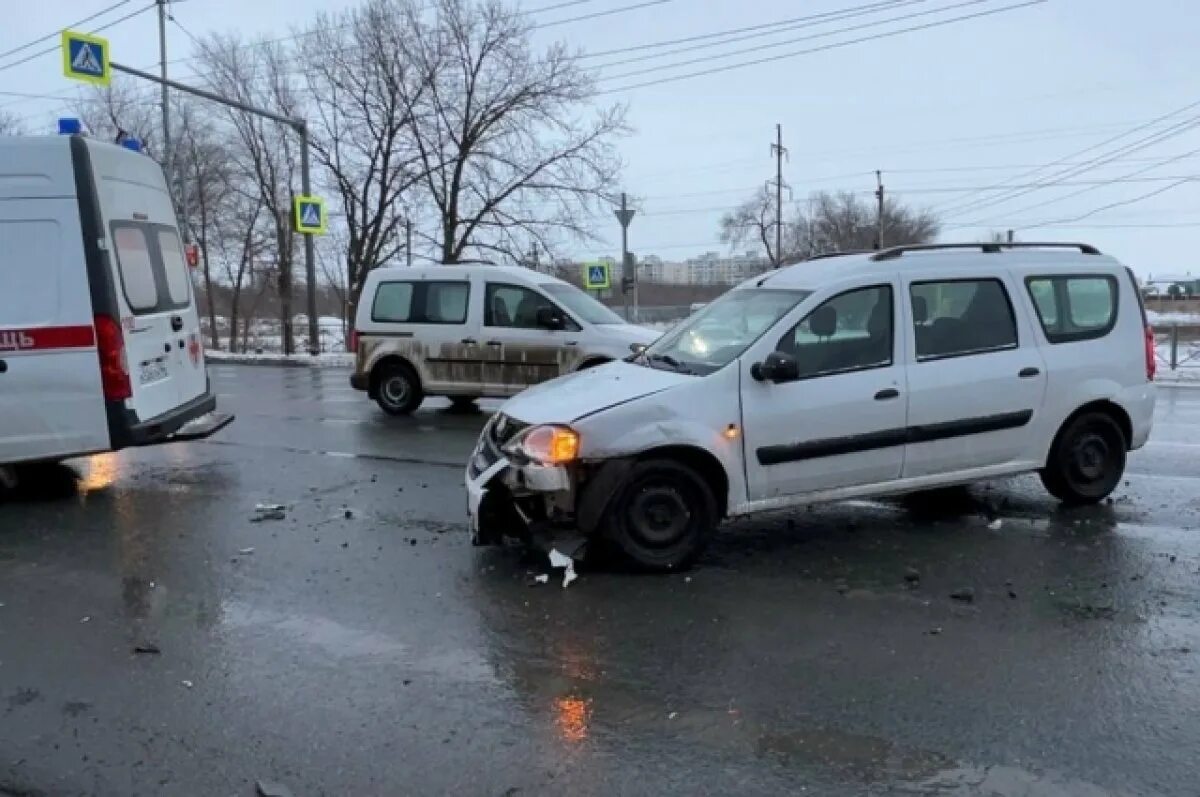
pixel 360 381
pixel 169 427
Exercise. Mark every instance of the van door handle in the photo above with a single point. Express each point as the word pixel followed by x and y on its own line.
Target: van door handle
pixel 494 343
pixel 889 393
pixel 176 323
pixel 1028 373
pixel 571 343
pixel 167 348
pixel 469 342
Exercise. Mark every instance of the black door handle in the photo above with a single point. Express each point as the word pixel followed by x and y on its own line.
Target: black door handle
pixel 889 393
pixel 494 343
pixel 181 345
pixel 3 366
pixel 469 342
pixel 167 348
pixel 176 323
pixel 1027 373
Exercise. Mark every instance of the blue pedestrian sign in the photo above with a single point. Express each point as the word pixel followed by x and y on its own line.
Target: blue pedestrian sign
pixel 596 277
pixel 85 58
pixel 310 215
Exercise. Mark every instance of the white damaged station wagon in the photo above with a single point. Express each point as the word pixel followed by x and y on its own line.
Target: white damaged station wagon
pixel 852 376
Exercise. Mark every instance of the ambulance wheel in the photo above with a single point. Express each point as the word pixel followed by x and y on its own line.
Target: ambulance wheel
pixel 398 389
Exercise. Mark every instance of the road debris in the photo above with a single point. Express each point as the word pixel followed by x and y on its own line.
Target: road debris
pixel 1012 594
pixel 673 715
pixel 188 684
pixel 934 631
pixel 246 551
pixel 543 578
pixel 268 512
pixel 912 575
pixel 348 513
pixel 84 619
pixel 269 788
pixel 558 560
pixel 147 648
pixel 995 524
pixel 964 595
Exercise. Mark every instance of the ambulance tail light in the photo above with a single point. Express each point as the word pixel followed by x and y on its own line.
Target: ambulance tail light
pixel 114 365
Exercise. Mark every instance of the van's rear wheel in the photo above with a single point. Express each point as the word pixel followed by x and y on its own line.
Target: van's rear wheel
pixel 1087 460
pixel 398 389
pixel 662 515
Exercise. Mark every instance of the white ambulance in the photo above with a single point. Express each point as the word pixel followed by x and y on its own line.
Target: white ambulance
pixel 100 344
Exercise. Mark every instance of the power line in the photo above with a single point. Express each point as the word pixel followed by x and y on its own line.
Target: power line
pixel 783 24
pixel 1121 203
pixel 782 56
pixel 609 12
pixel 956 208
pixel 784 43
pixel 57 48
pixel 58 32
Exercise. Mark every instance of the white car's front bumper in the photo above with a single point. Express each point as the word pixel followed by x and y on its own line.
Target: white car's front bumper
pixel 477 489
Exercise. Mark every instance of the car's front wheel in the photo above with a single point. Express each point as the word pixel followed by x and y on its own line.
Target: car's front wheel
pixel 1087 460
pixel 662 515
pixel 398 389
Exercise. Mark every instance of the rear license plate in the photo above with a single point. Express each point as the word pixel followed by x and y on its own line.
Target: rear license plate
pixel 153 372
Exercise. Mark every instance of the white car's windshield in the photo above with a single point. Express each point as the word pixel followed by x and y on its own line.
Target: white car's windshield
pixel 722 330
pixel 581 305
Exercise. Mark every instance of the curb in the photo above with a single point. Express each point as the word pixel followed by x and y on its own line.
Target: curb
pixel 296 363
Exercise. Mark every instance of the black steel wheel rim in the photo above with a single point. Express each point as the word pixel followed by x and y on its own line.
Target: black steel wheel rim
pixel 1091 458
pixel 659 514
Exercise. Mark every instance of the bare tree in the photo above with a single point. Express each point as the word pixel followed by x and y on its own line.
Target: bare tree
pixel 845 222
pixel 508 150
pixel 122 110
pixel 754 221
pixel 260 74
pixel 365 89
pixel 11 125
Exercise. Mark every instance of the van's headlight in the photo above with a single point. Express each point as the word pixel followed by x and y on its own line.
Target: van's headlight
pixel 549 445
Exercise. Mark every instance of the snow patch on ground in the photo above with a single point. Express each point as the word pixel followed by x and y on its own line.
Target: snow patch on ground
pixel 1166 319
pixel 323 360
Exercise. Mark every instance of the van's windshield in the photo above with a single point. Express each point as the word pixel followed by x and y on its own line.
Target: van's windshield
pixel 722 330
pixel 581 305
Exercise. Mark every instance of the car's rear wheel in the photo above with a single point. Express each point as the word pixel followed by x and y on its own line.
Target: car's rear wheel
pixel 662 516
pixel 398 389
pixel 1087 460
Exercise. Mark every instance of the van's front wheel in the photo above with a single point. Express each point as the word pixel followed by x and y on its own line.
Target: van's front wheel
pixel 1087 461
pixel 398 389
pixel 662 516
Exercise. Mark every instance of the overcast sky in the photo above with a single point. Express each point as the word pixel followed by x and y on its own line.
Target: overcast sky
pixel 967 106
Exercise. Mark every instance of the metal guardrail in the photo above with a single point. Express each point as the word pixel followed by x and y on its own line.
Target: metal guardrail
pixel 1177 346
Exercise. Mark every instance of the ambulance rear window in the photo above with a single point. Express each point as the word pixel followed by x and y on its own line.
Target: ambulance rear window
pixel 149 258
pixel 137 268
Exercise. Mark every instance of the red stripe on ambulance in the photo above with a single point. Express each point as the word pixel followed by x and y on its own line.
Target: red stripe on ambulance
pixel 46 338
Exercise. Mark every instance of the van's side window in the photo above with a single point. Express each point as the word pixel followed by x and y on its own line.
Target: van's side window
pixel 513 306
pixel 137 268
pixel 1074 308
pixel 850 332
pixel 421 302
pixel 393 302
pixel 961 317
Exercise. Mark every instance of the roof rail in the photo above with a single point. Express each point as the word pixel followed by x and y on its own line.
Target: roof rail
pixel 824 255
pixel 990 248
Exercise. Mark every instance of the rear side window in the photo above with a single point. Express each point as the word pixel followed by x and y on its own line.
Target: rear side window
pixel 961 317
pixel 1073 308
pixel 150 263
pixel 421 302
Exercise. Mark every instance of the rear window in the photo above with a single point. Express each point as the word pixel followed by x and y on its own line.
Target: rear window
pixel 150 265
pixel 1076 307
pixel 420 302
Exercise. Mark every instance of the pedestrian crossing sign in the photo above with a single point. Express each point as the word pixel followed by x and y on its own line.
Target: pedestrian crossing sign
pixel 85 58
pixel 310 215
pixel 595 277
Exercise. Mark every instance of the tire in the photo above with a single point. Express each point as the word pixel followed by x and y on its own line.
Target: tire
pixel 463 404
pixel 1087 460
pixel 661 517
pixel 398 389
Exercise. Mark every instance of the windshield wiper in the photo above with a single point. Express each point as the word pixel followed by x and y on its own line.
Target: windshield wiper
pixel 670 361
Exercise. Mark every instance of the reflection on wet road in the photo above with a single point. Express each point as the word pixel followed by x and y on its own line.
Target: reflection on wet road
pixel 360 645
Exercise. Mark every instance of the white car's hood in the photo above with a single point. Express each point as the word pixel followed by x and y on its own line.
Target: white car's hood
pixel 629 333
pixel 570 397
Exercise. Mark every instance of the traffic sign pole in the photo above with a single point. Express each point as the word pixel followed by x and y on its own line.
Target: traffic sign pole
pixel 301 128
pixel 624 216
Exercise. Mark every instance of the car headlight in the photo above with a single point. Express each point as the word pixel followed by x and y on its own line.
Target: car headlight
pixel 549 445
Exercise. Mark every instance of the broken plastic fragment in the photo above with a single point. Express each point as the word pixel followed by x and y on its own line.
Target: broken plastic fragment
pixel 995 524
pixel 544 578
pixel 245 551
pixel 188 684
pixel 557 560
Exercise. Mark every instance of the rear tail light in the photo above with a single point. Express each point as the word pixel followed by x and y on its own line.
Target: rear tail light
pixel 1151 362
pixel 114 365
pixel 352 341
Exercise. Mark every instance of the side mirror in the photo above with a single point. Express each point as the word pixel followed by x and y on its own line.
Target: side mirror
pixel 551 318
pixel 778 367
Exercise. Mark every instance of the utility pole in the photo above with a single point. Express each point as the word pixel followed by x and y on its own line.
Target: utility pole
pixel 408 241
pixel 168 155
pixel 1010 236
pixel 778 151
pixel 879 210
pixel 628 272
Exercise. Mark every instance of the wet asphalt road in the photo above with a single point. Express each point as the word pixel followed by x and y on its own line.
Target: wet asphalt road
pixel 364 647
